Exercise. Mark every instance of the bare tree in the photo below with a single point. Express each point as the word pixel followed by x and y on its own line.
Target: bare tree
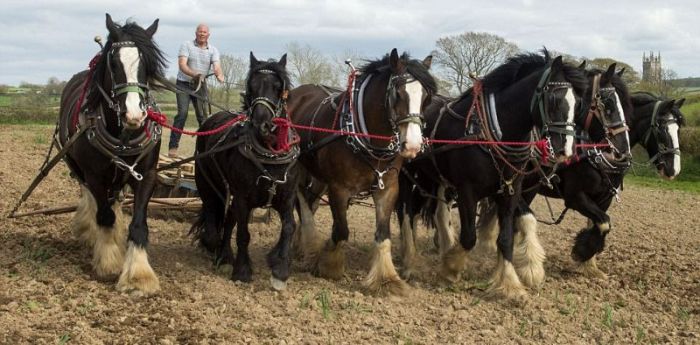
pixel 630 76
pixel 476 52
pixel 307 65
pixel 341 70
pixel 234 69
pixel 665 87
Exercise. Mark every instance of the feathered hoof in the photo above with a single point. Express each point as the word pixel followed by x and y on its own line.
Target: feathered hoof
pixel 278 285
pixel 412 267
pixel 505 284
pixel 453 263
pixel 138 278
pixel 590 269
pixel 388 286
pixel 331 261
pixel 532 275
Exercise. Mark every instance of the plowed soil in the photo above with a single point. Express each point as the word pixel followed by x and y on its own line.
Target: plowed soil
pixel 49 295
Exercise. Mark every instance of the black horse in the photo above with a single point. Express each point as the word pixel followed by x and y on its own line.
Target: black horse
pixel 246 168
pixel 589 185
pixel 529 90
pixel 103 117
pixel 387 99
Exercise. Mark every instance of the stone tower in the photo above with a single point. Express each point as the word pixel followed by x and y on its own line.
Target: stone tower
pixel 651 67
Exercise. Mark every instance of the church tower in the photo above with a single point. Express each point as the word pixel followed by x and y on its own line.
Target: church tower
pixel 651 67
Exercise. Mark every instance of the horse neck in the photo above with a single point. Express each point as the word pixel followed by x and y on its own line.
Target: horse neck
pixel 513 108
pixel 376 113
pixel 640 123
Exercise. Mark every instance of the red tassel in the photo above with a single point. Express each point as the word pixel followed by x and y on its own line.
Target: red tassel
pixel 543 146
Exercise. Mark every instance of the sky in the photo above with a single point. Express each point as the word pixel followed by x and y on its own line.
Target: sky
pixel 54 38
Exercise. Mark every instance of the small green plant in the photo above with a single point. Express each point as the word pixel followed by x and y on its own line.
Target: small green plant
pixel 570 306
pixel 475 301
pixel 641 334
pixel 40 139
pixel 32 305
pixel 37 253
pixel 323 299
pixel 64 339
pixel 608 316
pixel 356 307
pixel 304 304
pixel 683 314
pixel 522 328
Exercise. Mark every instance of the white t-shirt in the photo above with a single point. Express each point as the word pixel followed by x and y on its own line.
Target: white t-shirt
pixel 198 59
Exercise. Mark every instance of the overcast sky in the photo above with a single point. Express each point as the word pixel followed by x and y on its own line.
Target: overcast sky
pixel 45 38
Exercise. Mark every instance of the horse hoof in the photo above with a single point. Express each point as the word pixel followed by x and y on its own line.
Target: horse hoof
pixel 277 284
pixel 590 269
pixel 392 287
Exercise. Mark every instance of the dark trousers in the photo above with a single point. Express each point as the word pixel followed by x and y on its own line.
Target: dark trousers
pixel 183 104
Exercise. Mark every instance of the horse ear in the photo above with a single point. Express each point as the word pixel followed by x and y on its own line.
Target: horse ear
pixel 557 63
pixel 611 71
pixel 111 27
pixel 582 66
pixel 283 60
pixel 679 103
pixel 666 106
pixel 395 62
pixel 152 29
pixel 253 60
pixel 620 72
pixel 428 61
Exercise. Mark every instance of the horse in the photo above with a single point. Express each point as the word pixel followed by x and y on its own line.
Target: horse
pixel 110 143
pixel 247 166
pixel 590 184
pixel 387 99
pixel 527 91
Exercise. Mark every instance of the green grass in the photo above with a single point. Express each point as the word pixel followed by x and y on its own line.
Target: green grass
pixel 692 113
pixel 5 100
pixel 607 316
pixel 324 302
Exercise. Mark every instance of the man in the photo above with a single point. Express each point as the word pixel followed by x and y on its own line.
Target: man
pixel 194 61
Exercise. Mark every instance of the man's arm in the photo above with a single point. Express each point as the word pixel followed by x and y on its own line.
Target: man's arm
pixel 182 64
pixel 218 72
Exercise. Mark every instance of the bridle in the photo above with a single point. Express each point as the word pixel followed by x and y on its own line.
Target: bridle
pixel 122 88
pixel 277 109
pixel 598 110
pixel 655 129
pixel 391 91
pixel 544 89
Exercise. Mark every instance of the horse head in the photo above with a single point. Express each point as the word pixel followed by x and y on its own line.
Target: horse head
pixel 607 101
pixel 130 61
pixel 408 93
pixel 558 91
pixel 267 86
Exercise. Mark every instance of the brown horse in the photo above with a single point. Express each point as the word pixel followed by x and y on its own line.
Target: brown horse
pixel 387 99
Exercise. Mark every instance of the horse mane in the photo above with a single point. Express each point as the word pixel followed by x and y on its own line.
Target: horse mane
pixel 271 65
pixel 642 98
pixel 413 66
pixel 520 66
pixel 152 58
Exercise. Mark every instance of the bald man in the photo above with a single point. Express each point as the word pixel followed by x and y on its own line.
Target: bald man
pixel 195 59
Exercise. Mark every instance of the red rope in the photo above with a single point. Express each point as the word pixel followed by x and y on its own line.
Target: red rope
pixel 91 68
pixel 163 121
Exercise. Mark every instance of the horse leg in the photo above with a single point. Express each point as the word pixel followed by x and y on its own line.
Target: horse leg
pixel 137 275
pixel 410 258
pixel 528 254
pixel 505 281
pixel 224 254
pixel 278 259
pixel 242 270
pixel 455 259
pixel 382 276
pixel 306 242
pixel 590 240
pixel 487 227
pixel 107 236
pixel 331 259
pixel 446 234
pixel 84 224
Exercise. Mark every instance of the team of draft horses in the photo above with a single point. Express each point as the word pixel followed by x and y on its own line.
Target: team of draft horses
pixel 535 124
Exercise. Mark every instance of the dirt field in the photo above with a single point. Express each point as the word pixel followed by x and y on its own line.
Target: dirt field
pixel 49 295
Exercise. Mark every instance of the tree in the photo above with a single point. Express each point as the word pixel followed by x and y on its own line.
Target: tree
pixel 476 52
pixel 307 65
pixel 234 70
pixel 665 88
pixel 630 76
pixel 54 86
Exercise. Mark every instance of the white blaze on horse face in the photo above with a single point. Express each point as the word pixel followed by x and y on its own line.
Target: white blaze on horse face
pixel 129 57
pixel 569 143
pixel 623 117
pixel 673 133
pixel 414 134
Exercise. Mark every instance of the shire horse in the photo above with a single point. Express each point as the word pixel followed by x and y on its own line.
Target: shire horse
pixel 248 167
pixel 103 118
pixel 387 98
pixel 590 184
pixel 528 91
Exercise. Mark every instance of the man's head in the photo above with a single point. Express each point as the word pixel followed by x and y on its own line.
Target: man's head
pixel 202 34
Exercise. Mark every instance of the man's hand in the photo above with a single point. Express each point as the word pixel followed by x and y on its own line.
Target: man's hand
pixel 220 78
